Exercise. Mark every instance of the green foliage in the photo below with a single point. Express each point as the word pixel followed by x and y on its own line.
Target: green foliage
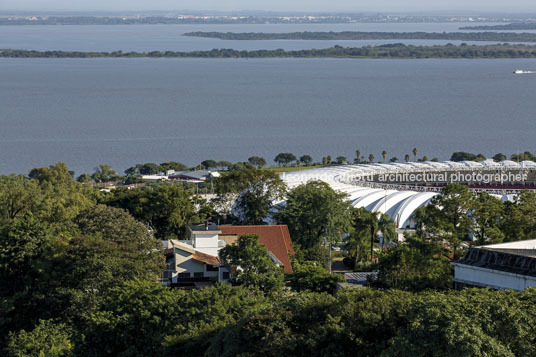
pixel 84 178
pixel 173 165
pixel 312 277
pixel 285 158
pixel 465 156
pixel 447 217
pixel 209 164
pixel 366 226
pixel 254 267
pixel 414 266
pixel 519 221
pixel 104 173
pixel 499 157
pixel 314 211
pixel 306 160
pixel 204 313
pixel 142 253
pixel 47 339
pixel 396 50
pixel 487 214
pixel 253 192
pixel 341 160
pixel 166 207
pixel 522 157
pixel 360 35
pixel 149 169
pixel 18 196
pixel 468 323
pixel 222 164
pixel 257 161
pixel 131 321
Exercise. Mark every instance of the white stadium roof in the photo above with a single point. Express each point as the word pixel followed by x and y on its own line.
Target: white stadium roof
pixel 401 203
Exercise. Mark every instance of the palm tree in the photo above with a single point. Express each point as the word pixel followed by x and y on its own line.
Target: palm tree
pixel 384 155
pixel 366 224
pixel 357 242
pixel 357 156
pixel 415 153
pixel 386 225
pixel 406 158
pixel 371 158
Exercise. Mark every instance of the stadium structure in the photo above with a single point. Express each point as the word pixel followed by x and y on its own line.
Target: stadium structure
pixel 398 189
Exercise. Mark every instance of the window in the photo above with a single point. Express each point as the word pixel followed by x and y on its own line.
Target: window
pixel 225 275
pixel 199 275
pixel 212 268
pixel 184 275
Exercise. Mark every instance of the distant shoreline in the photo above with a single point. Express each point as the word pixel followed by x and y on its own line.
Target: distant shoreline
pixel 358 35
pixel 400 51
pixel 512 26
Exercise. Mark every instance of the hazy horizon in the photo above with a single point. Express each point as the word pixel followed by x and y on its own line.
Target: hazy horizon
pixel 420 6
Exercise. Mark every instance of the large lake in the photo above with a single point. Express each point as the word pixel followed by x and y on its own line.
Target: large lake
pixel 126 111
pixel 169 37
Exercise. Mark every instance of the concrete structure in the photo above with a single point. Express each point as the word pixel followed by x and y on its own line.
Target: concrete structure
pixel 204 237
pixel 398 189
pixel 187 267
pixel 499 266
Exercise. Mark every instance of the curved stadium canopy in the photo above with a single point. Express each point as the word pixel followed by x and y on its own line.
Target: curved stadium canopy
pixel 398 201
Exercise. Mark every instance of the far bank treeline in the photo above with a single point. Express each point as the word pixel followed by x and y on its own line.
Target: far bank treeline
pixel 396 50
pixel 357 35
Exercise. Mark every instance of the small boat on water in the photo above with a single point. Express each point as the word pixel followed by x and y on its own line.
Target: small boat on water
pixel 520 71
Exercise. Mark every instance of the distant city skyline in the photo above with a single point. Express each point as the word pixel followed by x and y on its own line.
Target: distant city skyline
pixel 421 6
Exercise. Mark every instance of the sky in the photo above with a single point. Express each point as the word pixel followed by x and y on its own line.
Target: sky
pixel 480 6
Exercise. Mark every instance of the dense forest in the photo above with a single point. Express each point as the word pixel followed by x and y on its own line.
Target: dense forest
pixel 512 26
pixel 353 35
pixel 79 271
pixel 396 50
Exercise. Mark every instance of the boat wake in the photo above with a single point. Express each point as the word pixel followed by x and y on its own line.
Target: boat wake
pixel 520 71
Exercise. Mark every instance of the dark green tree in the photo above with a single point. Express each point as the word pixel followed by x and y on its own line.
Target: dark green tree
pixel 254 267
pixel 284 158
pixel 341 160
pixel 104 173
pixel 487 213
pixel 150 169
pixel 314 212
pixel 257 161
pixel 173 165
pixel 415 266
pixel 46 339
pixel 499 157
pixel 209 164
pixel 306 160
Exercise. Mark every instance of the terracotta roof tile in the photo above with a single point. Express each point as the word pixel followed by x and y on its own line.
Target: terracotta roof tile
pixel 206 258
pixel 275 238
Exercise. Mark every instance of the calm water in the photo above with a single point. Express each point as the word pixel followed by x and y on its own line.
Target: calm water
pixel 126 111
pixel 169 37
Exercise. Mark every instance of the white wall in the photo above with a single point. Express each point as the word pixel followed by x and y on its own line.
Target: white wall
pixel 497 279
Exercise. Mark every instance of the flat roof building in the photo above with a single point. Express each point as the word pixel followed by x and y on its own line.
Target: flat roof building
pixel 499 266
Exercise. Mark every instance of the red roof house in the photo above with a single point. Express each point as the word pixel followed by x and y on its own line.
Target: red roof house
pixel 276 239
